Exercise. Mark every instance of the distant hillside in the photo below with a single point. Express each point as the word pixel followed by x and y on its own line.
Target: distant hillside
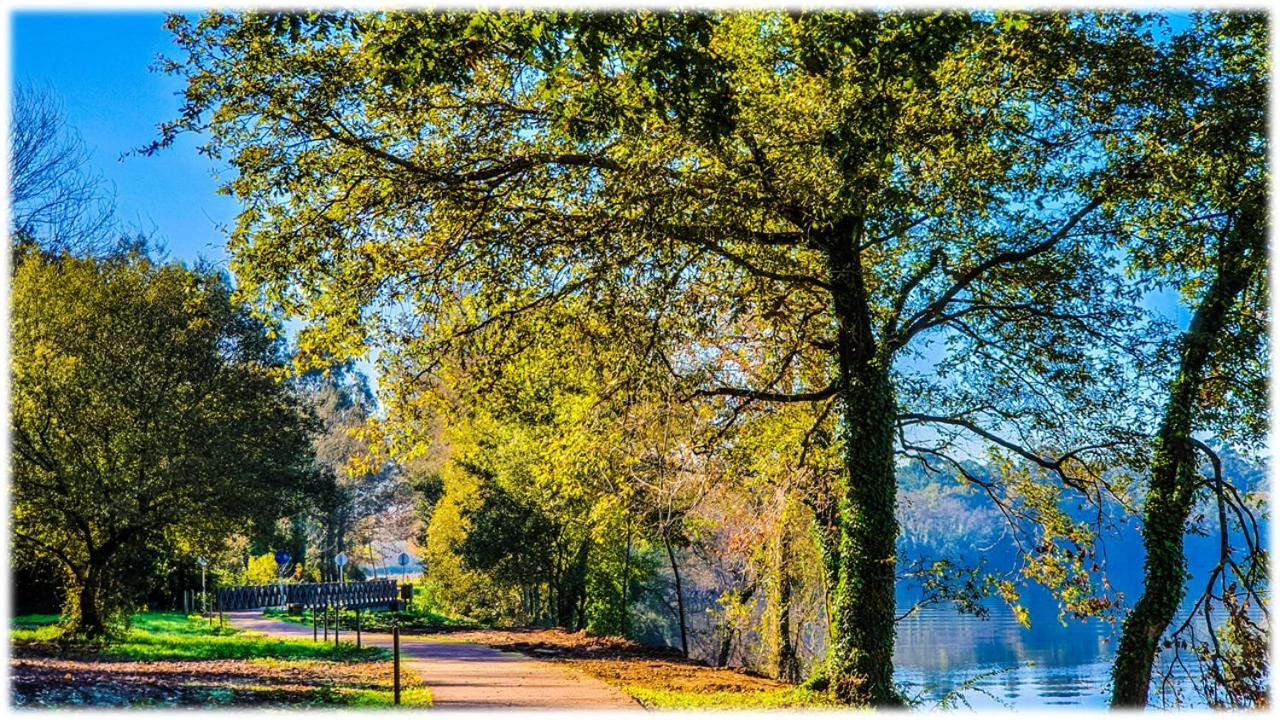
pixel 944 517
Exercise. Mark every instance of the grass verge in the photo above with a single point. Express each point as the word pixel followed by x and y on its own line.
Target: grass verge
pixel 791 697
pixel 170 659
pixel 410 621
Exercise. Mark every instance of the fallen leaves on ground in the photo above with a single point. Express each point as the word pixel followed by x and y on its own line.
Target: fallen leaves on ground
pixel 45 680
pixel 619 661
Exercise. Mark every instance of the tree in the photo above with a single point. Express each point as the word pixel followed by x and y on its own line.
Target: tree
pixel 353 491
pixel 55 199
pixel 145 412
pixel 794 206
pixel 1201 228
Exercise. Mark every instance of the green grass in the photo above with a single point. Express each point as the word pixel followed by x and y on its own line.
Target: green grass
pixel 362 697
pixel 758 700
pixel 30 622
pixel 174 636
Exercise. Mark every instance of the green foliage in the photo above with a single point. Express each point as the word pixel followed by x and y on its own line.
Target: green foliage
pixel 146 418
pixel 262 570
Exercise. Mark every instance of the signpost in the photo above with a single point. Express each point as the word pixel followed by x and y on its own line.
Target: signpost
pixel 395 659
pixel 204 598
pixel 404 561
pixel 341 560
pixel 282 560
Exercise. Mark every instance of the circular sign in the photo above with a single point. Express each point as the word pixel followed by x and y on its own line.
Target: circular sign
pixel 404 559
pixel 341 559
pixel 282 558
pixel 202 561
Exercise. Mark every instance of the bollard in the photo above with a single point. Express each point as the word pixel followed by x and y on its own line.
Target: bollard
pixel 395 653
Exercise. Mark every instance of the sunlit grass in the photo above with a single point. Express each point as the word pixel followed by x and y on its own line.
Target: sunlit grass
pixel 174 636
pixel 791 697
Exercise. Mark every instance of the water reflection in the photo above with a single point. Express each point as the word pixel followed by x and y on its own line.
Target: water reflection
pixel 997 662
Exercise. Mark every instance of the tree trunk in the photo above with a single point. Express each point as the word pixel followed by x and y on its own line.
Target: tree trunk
pixel 728 633
pixel 826 530
pixel 786 666
pixel 626 579
pixel 571 588
pixel 1175 472
pixel 85 606
pixel 861 666
pixel 675 571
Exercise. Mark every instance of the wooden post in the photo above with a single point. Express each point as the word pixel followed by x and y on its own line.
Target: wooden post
pixel 395 654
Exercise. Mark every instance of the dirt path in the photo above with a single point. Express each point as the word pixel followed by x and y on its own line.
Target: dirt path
pixel 467 676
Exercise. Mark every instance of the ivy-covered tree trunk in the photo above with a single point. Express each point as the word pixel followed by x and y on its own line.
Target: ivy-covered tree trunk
pixel 861 665
pixel 1175 471
pixel 826 530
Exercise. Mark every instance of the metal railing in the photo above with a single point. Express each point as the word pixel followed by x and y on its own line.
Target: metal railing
pixel 309 595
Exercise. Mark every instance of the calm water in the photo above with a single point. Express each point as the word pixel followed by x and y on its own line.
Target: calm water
pixel 1048 666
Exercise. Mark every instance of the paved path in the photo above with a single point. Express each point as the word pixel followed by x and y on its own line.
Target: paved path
pixel 468 676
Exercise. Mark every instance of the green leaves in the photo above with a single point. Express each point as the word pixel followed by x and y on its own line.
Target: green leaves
pixel 145 418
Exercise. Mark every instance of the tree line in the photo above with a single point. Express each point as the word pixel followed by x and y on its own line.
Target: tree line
pixel 150 423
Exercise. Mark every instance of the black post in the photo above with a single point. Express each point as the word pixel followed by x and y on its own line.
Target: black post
pixel 315 632
pixel 221 622
pixel 395 653
pixel 357 627
pixel 326 622
pixel 337 623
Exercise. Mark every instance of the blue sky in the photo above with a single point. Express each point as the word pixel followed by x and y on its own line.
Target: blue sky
pixel 99 65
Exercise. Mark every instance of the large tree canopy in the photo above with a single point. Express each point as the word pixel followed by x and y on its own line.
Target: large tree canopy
pixel 899 219
pixel 146 416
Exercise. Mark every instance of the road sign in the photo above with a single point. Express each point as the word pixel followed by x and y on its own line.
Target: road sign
pixel 282 558
pixel 341 559
pixel 202 561
pixel 404 559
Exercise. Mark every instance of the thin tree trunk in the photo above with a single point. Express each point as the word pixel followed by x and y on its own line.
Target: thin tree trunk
pixel 1175 472
pixel 786 666
pixel 861 668
pixel 626 578
pixel 675 571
